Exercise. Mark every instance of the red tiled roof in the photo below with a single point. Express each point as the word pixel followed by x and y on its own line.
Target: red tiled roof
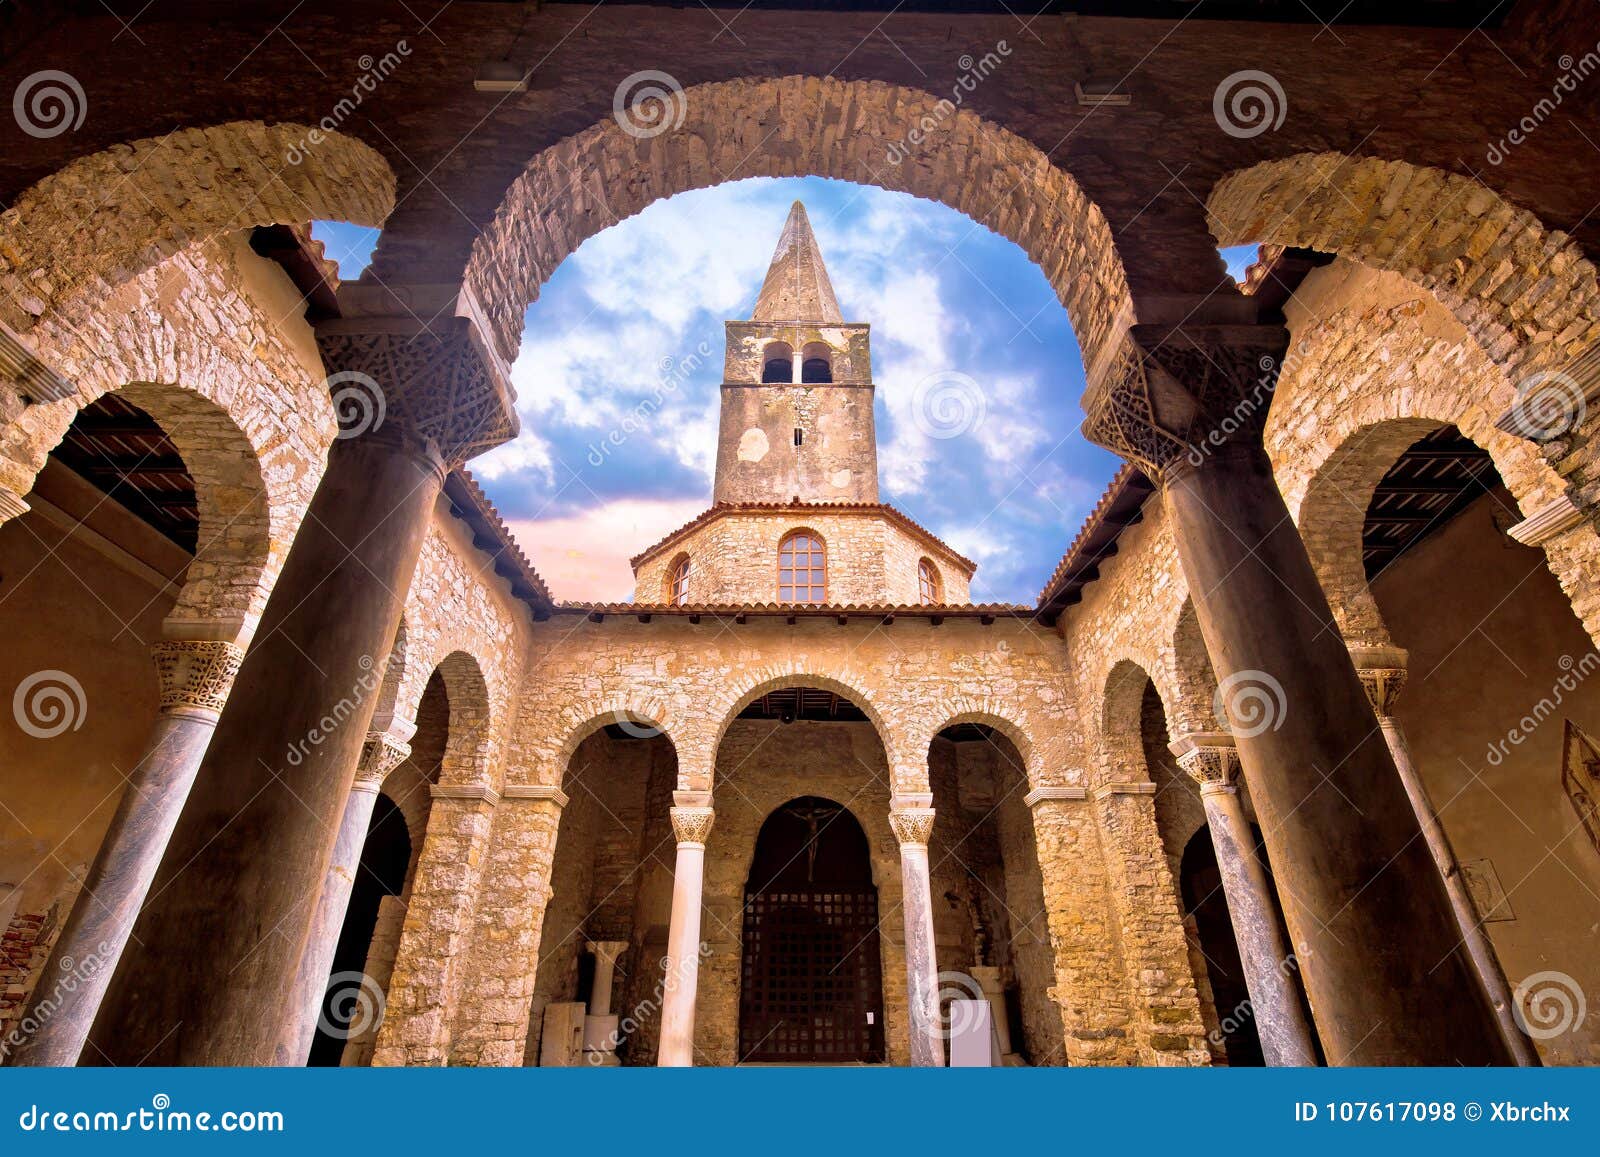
pixel 987 611
pixel 718 509
pixel 1118 508
pixel 491 535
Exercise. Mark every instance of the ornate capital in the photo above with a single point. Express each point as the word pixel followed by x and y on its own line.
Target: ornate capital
pixel 1211 759
pixel 423 374
pixel 1383 673
pixel 195 674
pixel 1175 396
pixel 381 753
pixel 692 825
pixel 912 825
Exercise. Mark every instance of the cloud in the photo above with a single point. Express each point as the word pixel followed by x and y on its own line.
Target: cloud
pixel 584 557
pixel 619 376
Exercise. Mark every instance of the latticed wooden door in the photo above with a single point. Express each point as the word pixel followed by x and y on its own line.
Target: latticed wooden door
pixel 812 978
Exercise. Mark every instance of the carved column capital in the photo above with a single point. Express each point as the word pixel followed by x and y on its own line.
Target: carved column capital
pixel 912 825
pixel 1210 758
pixel 692 825
pixel 195 674
pixel 411 365
pixel 1172 396
pixel 606 951
pixel 381 753
pixel 1383 673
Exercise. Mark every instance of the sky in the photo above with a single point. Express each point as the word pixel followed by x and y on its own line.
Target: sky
pixel 998 469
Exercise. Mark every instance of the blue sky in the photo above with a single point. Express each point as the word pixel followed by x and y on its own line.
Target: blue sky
pixel 943 296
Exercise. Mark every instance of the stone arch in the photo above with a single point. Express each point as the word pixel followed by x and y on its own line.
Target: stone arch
pixel 1527 294
pixel 1017 733
pixel 468 746
pixel 1121 719
pixel 1194 683
pixel 801 126
pixel 698 757
pixel 645 720
pixel 150 198
pixel 235 562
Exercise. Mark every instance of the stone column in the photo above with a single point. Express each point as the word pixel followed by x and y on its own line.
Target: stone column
pixel 384 751
pixel 1383 673
pixel 600 1025
pixel 1367 912
pixel 1212 761
pixel 691 823
pixel 196 675
pixel 235 894
pixel 911 817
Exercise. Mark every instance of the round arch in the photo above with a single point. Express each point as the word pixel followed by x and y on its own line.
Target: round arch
pixel 580 722
pixel 1016 733
pixel 1194 683
pixel 152 197
pixel 1121 717
pixel 698 774
pixel 469 741
pixel 1527 294
pixel 788 127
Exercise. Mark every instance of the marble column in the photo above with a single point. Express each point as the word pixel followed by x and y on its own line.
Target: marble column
pixel 1212 761
pixel 384 751
pixel 1383 673
pixel 236 891
pixel 912 821
pixel 196 675
pixel 692 825
pixel 1367 912
pixel 600 1025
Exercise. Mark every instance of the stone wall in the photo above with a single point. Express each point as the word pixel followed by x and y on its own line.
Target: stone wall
pixel 733 559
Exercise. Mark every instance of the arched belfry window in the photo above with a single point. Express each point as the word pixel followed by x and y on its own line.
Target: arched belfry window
pixel 816 363
pixel 678 582
pixel 802 569
pixel 929 587
pixel 777 362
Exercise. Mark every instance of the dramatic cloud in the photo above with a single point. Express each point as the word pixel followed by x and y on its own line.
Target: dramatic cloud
pixel 618 379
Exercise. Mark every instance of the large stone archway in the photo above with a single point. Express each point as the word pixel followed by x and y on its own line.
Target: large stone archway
pixel 799 126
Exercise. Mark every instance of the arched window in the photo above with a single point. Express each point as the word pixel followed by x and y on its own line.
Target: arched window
pixel 802 569
pixel 929 587
pixel 816 363
pixel 678 582
pixel 777 362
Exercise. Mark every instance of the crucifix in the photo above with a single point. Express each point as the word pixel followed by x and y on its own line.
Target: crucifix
pixel 813 817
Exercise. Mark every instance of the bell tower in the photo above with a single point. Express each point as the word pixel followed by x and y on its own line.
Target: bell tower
pixel 797 390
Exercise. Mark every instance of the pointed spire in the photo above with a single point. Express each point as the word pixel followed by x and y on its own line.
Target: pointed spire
pixel 797 286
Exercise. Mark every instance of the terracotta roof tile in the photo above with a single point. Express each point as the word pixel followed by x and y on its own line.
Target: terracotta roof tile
pixel 491 535
pixel 718 509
